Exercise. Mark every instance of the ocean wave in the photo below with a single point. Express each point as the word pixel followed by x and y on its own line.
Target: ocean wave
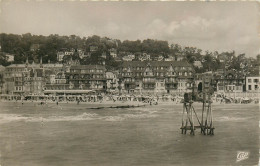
pixel 113 118
pixel 5 118
pixel 146 110
pixel 128 116
pixel 226 118
pixel 11 117
pixel 84 116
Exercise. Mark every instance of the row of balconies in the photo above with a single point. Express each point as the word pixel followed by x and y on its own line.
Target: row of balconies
pixel 151 86
pixel 71 79
pixel 235 84
pixel 151 82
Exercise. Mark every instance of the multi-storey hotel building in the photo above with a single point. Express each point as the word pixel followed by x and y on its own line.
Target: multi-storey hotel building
pixel 230 82
pixel 87 77
pixel 155 77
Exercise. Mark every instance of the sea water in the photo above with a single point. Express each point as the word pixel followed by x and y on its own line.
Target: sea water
pixel 71 134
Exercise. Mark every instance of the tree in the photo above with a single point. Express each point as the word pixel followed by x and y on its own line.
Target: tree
pixel 258 59
pixel 3 60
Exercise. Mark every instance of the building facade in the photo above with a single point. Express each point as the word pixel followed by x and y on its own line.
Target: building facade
pixel 230 82
pixel 252 83
pixel 151 77
pixel 26 79
pixel 112 81
pixel 87 77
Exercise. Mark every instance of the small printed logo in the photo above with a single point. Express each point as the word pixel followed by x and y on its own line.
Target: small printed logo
pixel 242 156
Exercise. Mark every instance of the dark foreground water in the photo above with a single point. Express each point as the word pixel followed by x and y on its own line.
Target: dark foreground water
pixel 71 134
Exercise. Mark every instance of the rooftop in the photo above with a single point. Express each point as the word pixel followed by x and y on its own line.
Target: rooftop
pixel 88 67
pixel 156 63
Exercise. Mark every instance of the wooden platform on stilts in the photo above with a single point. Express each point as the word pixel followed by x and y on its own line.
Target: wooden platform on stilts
pixel 205 124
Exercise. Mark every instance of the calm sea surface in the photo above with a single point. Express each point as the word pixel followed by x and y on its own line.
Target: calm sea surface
pixel 71 134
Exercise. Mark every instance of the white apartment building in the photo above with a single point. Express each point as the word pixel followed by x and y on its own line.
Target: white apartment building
pixel 252 83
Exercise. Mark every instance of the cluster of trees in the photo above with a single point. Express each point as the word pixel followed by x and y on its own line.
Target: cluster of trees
pixel 20 47
pixel 149 46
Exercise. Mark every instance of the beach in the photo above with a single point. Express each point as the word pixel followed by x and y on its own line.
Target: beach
pixel 74 134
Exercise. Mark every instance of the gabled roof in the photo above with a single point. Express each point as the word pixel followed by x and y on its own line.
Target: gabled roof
pixel 156 63
pixel 88 67
pixel 16 66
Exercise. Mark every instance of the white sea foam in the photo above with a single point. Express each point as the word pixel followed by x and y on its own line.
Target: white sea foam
pixel 113 118
pixel 146 110
pixel 84 116
pixel 136 116
pixel 11 117
pixel 5 118
pixel 128 116
pixel 226 118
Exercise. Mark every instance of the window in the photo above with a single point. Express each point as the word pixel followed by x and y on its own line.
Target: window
pixel 249 80
pixel 249 87
pixel 256 87
pixel 256 80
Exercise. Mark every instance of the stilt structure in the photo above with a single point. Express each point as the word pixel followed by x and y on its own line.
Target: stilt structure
pixel 206 122
pixel 207 127
pixel 188 122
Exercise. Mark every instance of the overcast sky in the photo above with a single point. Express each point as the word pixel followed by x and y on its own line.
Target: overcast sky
pixel 221 26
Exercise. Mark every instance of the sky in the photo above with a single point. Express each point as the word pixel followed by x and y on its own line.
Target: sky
pixel 213 26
